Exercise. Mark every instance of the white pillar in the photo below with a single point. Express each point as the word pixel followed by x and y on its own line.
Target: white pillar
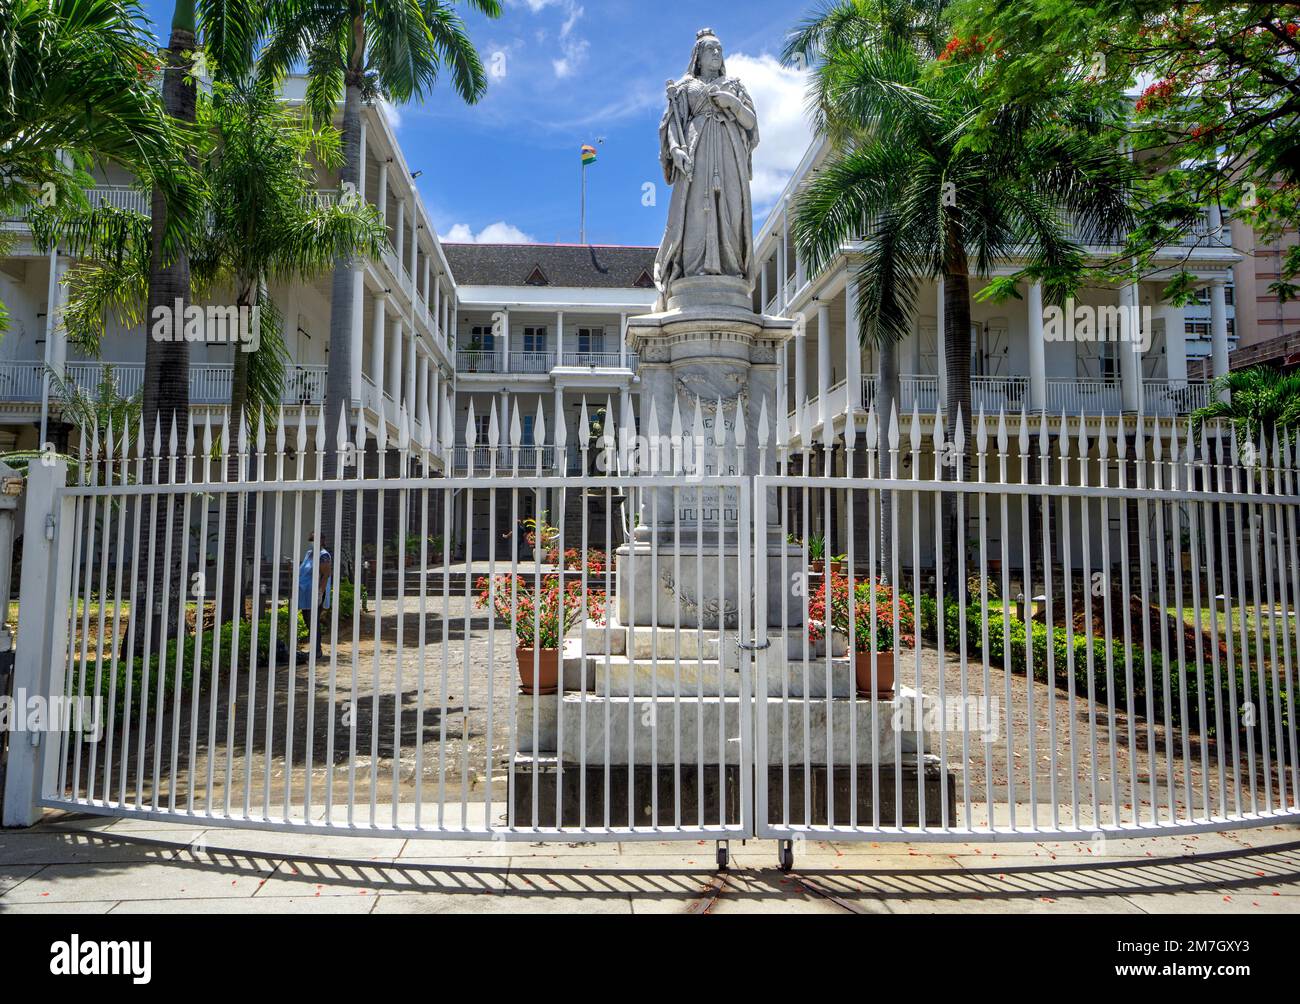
pixel 800 342
pixel 762 286
pixel 781 264
pixel 852 341
pixel 824 360
pixel 1218 330
pixel 409 372
pixel 379 333
pixel 622 341
pixel 435 404
pixel 401 230
pixel 1037 348
pixel 557 410
pixel 559 337
pixel 383 192
pixel 424 298
pixel 941 341
pixel 394 362
pixel 422 392
pixel 1175 345
pixel 437 304
pixel 505 339
pixel 1130 356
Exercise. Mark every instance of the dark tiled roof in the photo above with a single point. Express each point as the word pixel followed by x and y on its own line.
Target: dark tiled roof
pixel 560 264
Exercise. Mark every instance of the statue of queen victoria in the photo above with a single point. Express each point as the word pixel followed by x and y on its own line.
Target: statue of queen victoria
pixel 706 146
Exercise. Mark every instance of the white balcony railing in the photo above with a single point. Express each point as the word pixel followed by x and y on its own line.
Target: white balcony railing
pixel 593 360
pixel 121 197
pixel 1084 397
pixel 504 457
pixel 21 382
pixel 1167 397
pixel 478 361
pixel 531 362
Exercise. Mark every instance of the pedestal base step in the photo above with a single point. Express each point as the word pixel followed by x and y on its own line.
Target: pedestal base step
pixel 683 798
pixel 579 728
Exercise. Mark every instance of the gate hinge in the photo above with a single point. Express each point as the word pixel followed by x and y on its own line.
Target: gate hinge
pixel 49 526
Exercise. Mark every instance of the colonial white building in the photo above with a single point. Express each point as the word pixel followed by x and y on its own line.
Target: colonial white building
pixel 1013 365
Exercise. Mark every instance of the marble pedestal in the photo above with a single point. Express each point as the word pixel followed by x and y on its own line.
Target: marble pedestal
pixel 707 360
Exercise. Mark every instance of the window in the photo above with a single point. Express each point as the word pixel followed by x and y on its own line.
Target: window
pixel 1229 294
pixel 528 430
pixel 535 339
pixel 482 338
pixel 591 339
pixel 481 425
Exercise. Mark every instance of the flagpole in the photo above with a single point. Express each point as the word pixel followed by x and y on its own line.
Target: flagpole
pixel 582 231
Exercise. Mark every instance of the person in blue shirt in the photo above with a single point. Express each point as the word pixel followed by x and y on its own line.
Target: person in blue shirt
pixel 323 595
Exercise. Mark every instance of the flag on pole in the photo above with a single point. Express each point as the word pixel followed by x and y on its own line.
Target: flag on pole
pixel 588 155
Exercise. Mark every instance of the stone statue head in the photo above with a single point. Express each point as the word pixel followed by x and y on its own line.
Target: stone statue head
pixel 706 57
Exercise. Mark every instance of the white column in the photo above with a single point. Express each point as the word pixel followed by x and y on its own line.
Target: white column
pixel 1130 358
pixel 1218 330
pixel 358 296
pixel 422 392
pixel 762 286
pixel 409 372
pixel 1037 348
pixel 505 339
pixel 383 192
pixel 557 409
pixel 941 341
pixel 437 303
pixel 401 231
pixel 435 402
pixel 780 265
pixel 824 359
pixel 378 334
pixel 622 341
pixel 424 299
pixel 1175 344
pixel 559 338
pixel 800 342
pixel 852 341
pixel 394 384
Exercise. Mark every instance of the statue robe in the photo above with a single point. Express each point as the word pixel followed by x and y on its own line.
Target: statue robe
pixel 710 227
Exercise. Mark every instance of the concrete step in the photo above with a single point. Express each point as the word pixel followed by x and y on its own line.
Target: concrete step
pixel 694 731
pixel 618 676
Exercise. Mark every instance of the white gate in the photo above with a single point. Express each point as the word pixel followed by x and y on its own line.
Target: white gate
pixel 1065 629
pixel 412 694
pixel 1115 653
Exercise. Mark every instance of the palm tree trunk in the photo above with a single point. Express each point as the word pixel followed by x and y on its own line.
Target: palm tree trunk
pixel 339 392
pixel 233 572
pixel 167 363
pixel 886 404
pixel 956 353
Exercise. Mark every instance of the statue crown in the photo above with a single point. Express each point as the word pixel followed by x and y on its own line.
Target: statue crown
pixel 703 33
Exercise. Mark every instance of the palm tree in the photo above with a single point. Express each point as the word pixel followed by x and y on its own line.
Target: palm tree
pixel 75 90
pixel 929 202
pixel 361 50
pixel 262 224
pixel 1261 403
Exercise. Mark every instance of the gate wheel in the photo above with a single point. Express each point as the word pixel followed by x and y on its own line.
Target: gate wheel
pixel 785 855
pixel 722 856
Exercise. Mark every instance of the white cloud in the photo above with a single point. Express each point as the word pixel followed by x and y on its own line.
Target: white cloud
pixel 785 133
pixel 391 113
pixel 500 232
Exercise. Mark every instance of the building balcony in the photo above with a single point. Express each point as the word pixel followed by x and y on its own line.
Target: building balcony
pixel 505 458
pixel 1011 394
pixel 470 361
pixel 21 382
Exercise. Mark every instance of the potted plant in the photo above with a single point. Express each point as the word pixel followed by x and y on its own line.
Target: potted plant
pixel 817 554
pixel 539 617
pixel 863 641
pixel 838 563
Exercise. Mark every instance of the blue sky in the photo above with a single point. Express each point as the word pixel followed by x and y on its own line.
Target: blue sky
pixel 568 72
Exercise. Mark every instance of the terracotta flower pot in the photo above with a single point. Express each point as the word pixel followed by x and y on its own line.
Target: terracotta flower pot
pixel 816 567
pixel 837 567
pixel 548 670
pixel 884 674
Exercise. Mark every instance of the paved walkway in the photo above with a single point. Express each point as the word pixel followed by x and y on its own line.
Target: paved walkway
pixel 97 865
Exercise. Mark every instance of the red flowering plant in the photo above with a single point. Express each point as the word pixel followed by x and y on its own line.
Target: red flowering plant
pixel 597 561
pixel 887 604
pixel 542 615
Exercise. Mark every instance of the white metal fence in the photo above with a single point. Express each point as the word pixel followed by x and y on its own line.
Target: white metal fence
pixel 1035 628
